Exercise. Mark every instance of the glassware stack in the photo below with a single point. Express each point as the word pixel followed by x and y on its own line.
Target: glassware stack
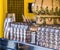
pixel 52 31
pixel 45 36
pixel 50 37
pixel 59 40
pixel 15 31
pixel 56 42
pixel 33 34
pixel 39 36
pixel 12 31
pixel 25 31
pixel 18 31
pixel 42 37
pixel 28 35
pixel 33 37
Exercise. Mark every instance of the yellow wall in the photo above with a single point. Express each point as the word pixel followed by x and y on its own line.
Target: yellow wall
pixel 3 10
pixel 30 15
pixel 1 18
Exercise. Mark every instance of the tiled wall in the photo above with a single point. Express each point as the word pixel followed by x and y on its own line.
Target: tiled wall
pixel 17 7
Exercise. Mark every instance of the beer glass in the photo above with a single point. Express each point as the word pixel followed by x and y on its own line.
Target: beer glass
pixel 15 31
pixel 38 35
pixel 33 37
pixel 25 31
pixel 21 32
pixel 52 31
pixel 47 36
pixel 43 36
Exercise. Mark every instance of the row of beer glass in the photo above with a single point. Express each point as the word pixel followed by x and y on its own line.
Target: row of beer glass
pixel 18 31
pixel 48 37
pixel 45 36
